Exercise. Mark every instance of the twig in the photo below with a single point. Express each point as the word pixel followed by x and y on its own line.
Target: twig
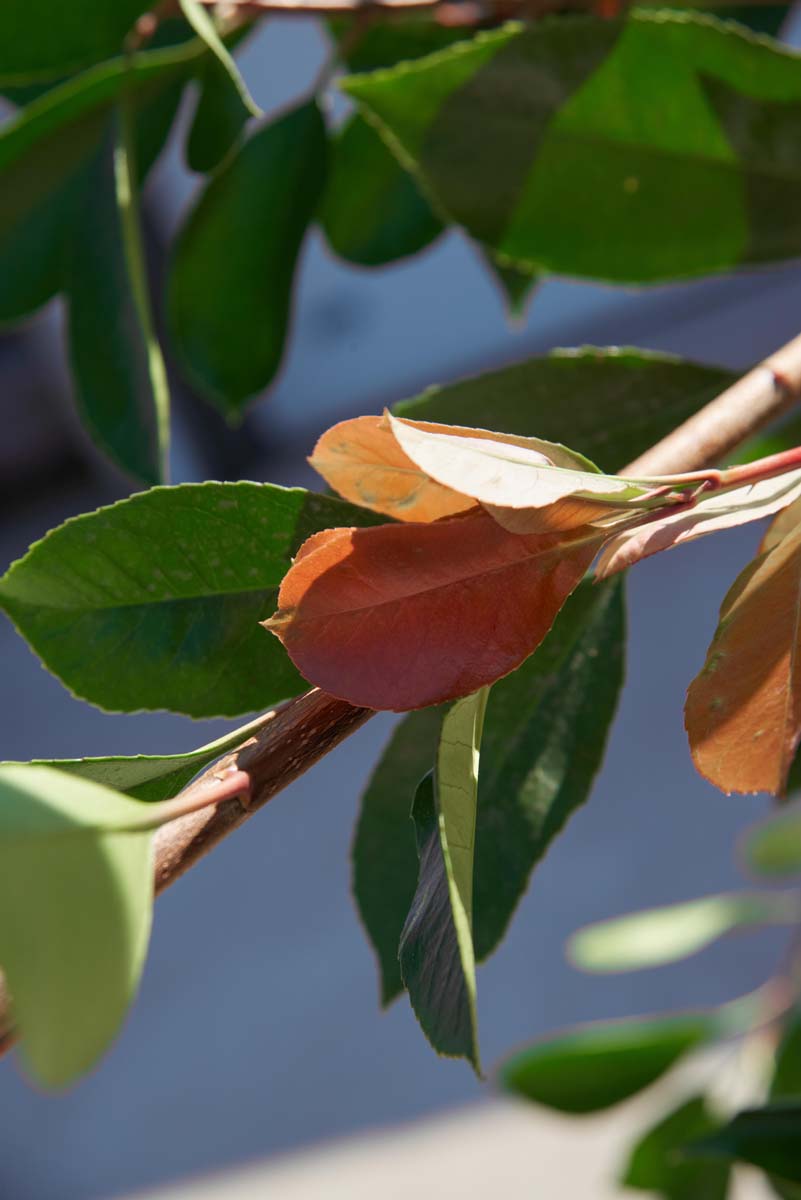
pixel 297 735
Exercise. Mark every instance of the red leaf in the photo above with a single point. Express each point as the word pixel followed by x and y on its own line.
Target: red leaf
pixel 403 616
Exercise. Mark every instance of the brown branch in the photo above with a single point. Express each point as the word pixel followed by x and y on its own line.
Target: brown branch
pixel 475 11
pixel 295 736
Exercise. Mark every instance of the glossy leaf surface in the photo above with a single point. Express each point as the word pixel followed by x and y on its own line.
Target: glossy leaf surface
pixel 154 602
pixel 521 136
pixel 71 950
pixel 596 1066
pixel 230 286
pixel 405 616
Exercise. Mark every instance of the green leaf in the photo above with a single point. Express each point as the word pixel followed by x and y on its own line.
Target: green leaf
pixel 229 292
pixel 385 43
pixel 149 777
pixel 609 404
pixel 76 885
pixel 154 602
pixel 663 935
pixel 773 847
pixel 436 945
pixel 40 40
pixel 219 120
pixel 766 1137
pixel 544 740
pixel 598 1065
pixel 786 1079
pixel 544 736
pixel 205 28
pixel 372 211
pixel 516 286
pixel 118 371
pixel 525 137
pixel 657 1165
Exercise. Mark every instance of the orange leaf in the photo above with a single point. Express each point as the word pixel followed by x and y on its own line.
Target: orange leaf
pixel 362 461
pixel 403 616
pixel 743 712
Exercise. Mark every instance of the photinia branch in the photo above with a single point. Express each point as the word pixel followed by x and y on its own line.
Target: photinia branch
pixel 289 740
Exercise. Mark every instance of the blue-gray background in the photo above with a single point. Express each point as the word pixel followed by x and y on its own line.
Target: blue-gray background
pixel 257 1027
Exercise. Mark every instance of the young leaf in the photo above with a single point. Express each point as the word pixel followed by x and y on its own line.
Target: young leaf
pixel 520 136
pixel 765 1137
pixel 154 602
pixel 773 847
pixel 743 712
pixel 119 374
pixel 362 461
pixel 76 884
pixel 595 1066
pixel 205 28
pixel 544 737
pixel 722 510
pixel 372 212
pixel 657 936
pixel 150 777
pixel 657 1165
pixel 436 945
pixel 404 616
pixel 384 857
pixel 40 40
pixel 230 285
pixel 620 401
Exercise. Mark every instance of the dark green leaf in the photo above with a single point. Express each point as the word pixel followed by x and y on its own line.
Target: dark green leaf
pixel 595 1066
pixel 373 212
pixel 608 404
pixel 118 372
pixel 203 24
pixel 787 1068
pixel 515 285
pixel 385 43
pixel 436 946
pixel 218 122
pixel 521 136
pixel 76 886
pixel 150 777
pixel 154 602
pixel 43 40
pixel 229 293
pixel 384 856
pixel 767 1137
pixel 544 740
pixel 657 1164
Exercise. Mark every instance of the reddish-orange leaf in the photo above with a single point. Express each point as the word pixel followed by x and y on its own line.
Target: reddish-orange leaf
pixel 743 712
pixel 403 616
pixel 362 461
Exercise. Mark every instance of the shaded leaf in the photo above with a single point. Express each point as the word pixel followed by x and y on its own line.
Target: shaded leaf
pixel 618 402
pixel 436 944
pixel 663 935
pixel 154 602
pixel 404 616
pixel 544 737
pixel 218 122
pixel 656 1163
pixel 40 40
pixel 118 372
pixel 372 211
pixel 150 777
pixel 362 461
pixel 766 1137
pixel 722 510
pixel 385 863
pixel 72 948
pixel 516 286
pixel 773 847
pixel 521 137
pixel 230 285
pixel 384 43
pixel 204 27
pixel 544 740
pixel 786 1081
pixel 595 1066
pixel 743 711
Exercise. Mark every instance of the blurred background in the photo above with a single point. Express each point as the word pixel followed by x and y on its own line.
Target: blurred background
pixel 257 1029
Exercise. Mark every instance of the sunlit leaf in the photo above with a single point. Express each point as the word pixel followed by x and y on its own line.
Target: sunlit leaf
pixel 662 935
pixel 595 1066
pixel 76 884
pixel 436 944
pixel 743 712
pixel 405 616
